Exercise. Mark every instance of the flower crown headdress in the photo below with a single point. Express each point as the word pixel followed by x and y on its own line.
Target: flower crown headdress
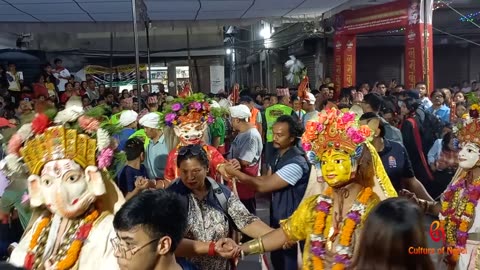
pixel 468 129
pixel 335 130
pixel 190 109
pixel 68 134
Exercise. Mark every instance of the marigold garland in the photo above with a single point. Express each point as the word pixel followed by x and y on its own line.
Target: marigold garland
pixel 454 222
pixel 73 251
pixel 41 225
pixel 318 240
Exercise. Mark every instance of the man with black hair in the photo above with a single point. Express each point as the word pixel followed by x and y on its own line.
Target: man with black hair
pixel 287 179
pixel 421 87
pixel 61 74
pixel 372 103
pixel 149 228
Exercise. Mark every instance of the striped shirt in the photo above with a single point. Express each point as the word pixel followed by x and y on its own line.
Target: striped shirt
pixel 290 173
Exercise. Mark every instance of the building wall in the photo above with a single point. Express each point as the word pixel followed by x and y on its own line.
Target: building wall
pixel 452 64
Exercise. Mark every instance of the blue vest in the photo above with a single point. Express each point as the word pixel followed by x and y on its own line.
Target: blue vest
pixel 286 200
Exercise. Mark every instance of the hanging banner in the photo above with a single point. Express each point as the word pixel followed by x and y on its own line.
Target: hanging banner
pixel 419 45
pixel 120 75
pixel 338 64
pixel 372 19
pixel 217 79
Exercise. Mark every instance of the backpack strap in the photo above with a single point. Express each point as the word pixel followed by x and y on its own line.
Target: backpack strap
pixel 219 194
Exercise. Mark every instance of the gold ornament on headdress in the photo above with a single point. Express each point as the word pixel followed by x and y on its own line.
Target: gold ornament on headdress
pixel 334 130
pixel 469 129
pixel 58 143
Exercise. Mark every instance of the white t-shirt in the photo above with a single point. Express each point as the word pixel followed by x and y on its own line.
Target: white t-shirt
pixel 14 80
pixel 61 82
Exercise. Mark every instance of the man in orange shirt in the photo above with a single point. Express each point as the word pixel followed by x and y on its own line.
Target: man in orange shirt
pixel 256 118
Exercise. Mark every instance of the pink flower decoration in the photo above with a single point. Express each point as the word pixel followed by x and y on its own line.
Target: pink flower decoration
pixel 355 135
pixel 320 127
pixel 104 159
pixel 307 147
pixel 210 119
pixel 177 107
pixel 348 117
pixel 15 144
pixel 196 106
pixel 89 124
pixel 169 118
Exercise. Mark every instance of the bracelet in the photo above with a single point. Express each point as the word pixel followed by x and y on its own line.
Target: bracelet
pixel 255 246
pixel 211 249
pixel 163 184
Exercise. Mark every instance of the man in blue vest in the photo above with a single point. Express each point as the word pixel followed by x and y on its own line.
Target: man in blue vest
pixel 287 180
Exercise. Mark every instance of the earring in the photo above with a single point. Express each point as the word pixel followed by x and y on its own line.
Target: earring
pixel 353 174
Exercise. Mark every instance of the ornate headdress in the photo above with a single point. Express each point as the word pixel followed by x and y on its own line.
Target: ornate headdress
pixel 468 130
pixel 335 130
pixel 342 131
pixel 191 109
pixel 68 134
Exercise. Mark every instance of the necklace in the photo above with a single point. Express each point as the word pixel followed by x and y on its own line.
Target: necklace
pixel 457 214
pixel 70 248
pixel 343 251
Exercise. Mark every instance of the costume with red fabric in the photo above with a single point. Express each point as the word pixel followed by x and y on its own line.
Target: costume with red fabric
pixel 189 117
pixel 215 158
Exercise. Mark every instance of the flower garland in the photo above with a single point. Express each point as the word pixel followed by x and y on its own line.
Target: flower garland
pixel 459 196
pixel 73 251
pixel 318 239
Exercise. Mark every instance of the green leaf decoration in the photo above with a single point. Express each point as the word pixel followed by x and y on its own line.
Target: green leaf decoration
pixel 51 113
pixel 97 112
pixel 472 98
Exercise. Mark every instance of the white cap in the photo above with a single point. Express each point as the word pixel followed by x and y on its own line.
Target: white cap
pixel 150 120
pixel 310 98
pixel 240 111
pixel 127 117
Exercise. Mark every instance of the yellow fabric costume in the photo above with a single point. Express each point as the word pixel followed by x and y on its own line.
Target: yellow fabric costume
pixel 329 133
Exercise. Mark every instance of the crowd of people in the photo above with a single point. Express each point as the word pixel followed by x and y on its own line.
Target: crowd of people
pixel 99 177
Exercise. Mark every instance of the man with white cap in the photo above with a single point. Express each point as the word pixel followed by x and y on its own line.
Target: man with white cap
pixel 157 149
pixel 309 108
pixel 128 120
pixel 246 148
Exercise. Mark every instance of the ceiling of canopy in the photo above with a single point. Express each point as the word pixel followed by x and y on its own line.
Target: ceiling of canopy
pixel 95 11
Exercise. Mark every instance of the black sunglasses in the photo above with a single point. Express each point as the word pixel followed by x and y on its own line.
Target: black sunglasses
pixel 194 149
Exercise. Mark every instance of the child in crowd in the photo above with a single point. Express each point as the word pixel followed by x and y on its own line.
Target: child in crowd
pixel 132 179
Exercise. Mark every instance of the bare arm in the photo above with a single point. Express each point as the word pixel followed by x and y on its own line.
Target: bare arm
pixel 272 241
pixel 262 184
pixel 256 229
pixel 416 187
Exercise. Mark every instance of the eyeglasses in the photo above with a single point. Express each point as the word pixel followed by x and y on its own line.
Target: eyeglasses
pixel 194 149
pixel 124 252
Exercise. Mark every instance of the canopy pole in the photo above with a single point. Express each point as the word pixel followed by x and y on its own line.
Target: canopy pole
pixel 147 32
pixel 189 60
pixel 111 62
pixel 137 56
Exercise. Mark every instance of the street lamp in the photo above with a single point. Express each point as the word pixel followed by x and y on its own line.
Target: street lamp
pixel 228 51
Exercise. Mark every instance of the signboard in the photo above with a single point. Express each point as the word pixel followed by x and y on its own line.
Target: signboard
pixel 217 79
pixel 376 18
pixel 120 75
